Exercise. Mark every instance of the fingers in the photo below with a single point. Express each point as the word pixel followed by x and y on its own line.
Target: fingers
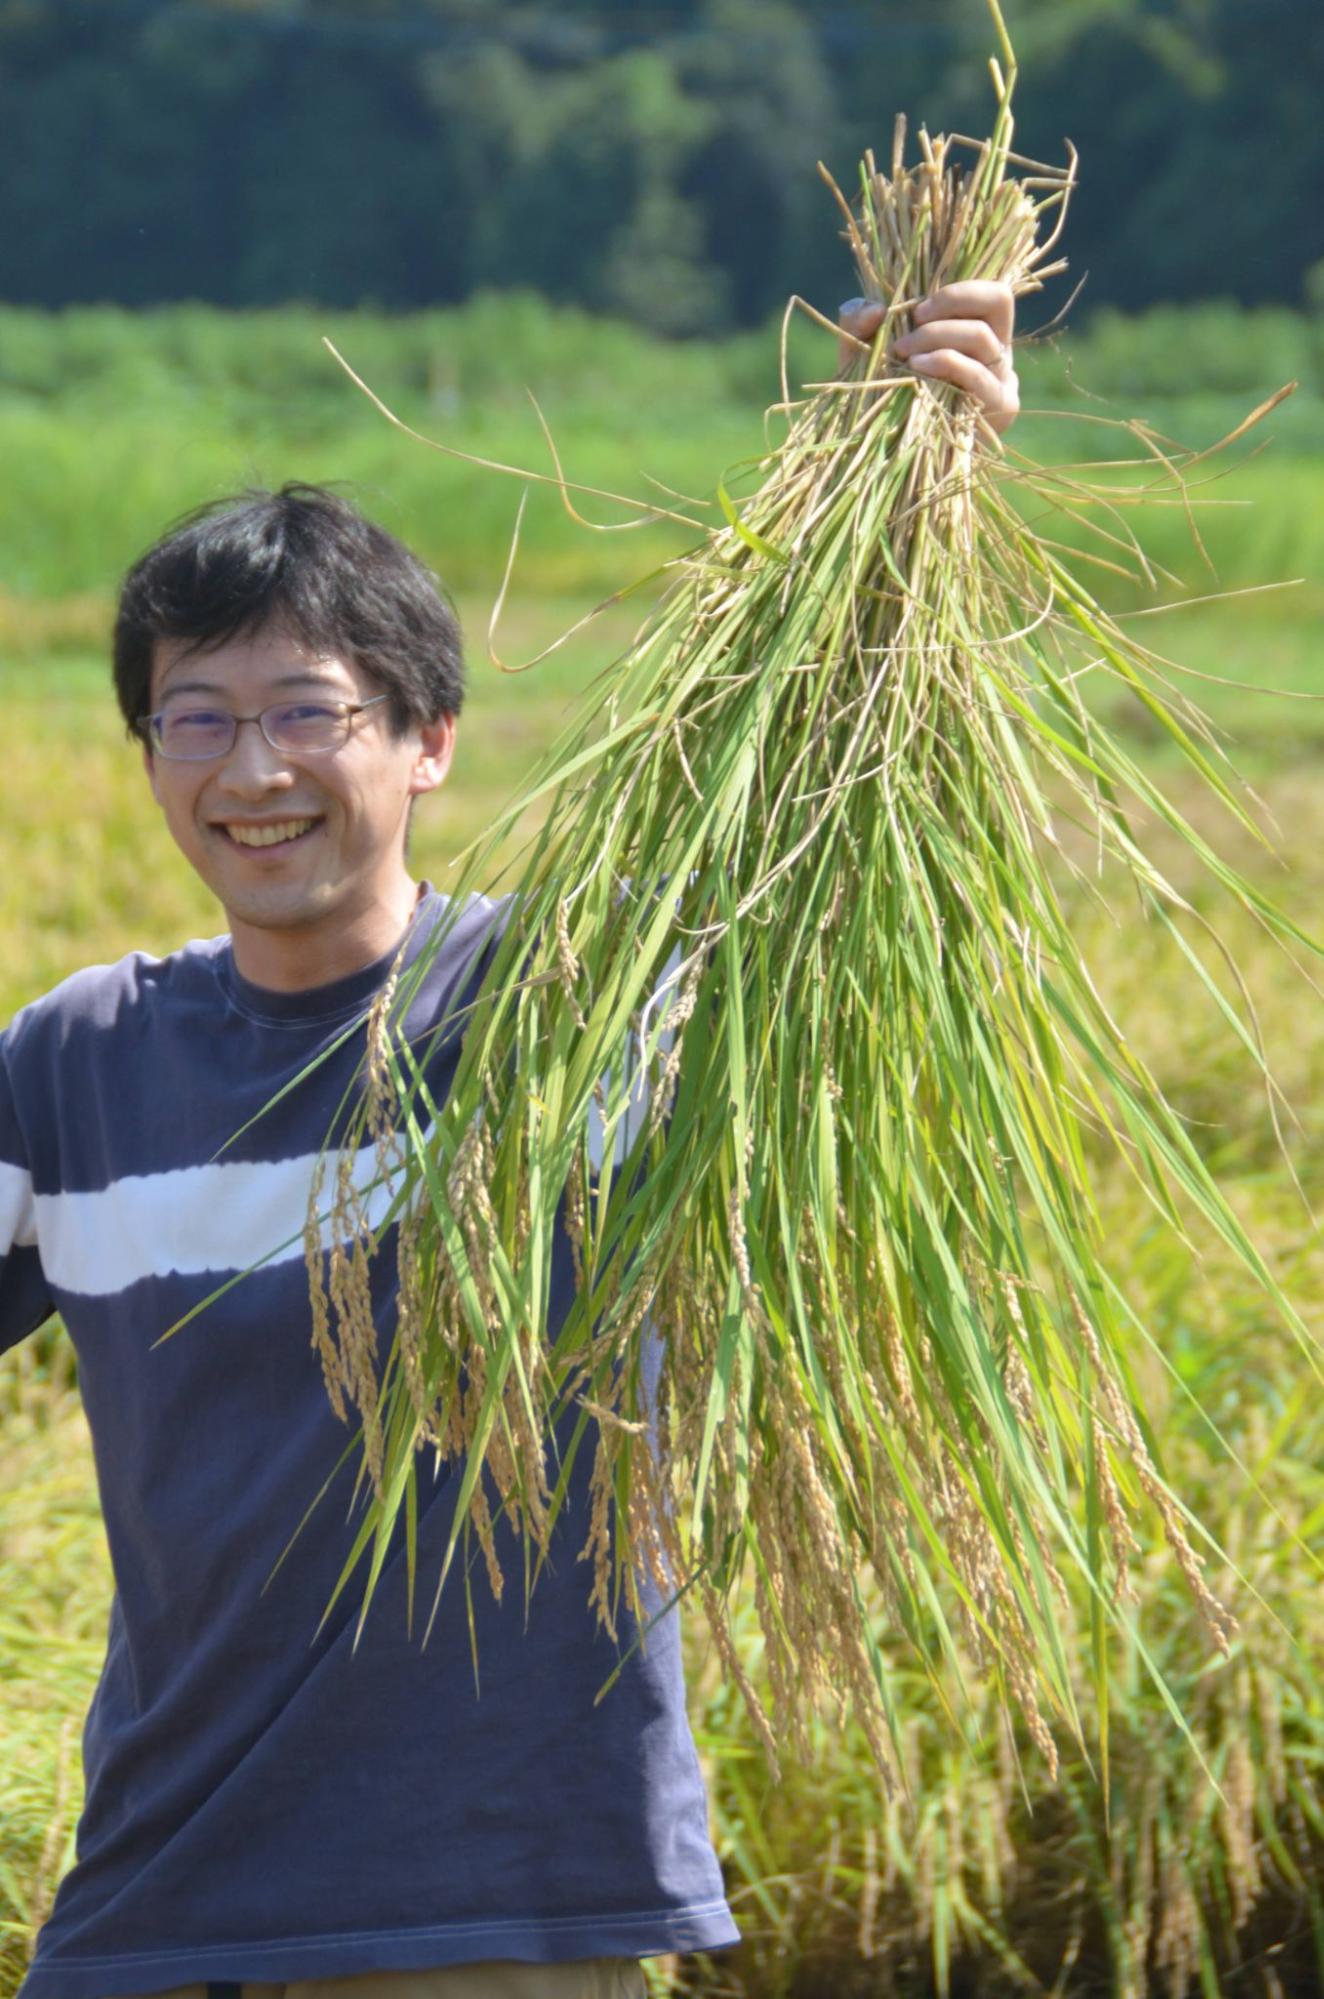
pixel 999 395
pixel 974 337
pixel 860 319
pixel 960 334
pixel 972 298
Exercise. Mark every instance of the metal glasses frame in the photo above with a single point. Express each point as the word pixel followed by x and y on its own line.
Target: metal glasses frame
pixel 149 728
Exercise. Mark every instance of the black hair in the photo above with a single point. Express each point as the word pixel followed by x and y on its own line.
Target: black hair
pixel 302 557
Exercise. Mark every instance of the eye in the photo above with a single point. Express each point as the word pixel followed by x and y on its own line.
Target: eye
pixel 306 725
pixel 195 718
pixel 195 725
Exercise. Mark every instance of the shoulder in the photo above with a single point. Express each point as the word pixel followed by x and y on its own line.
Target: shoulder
pixel 103 1002
pixel 456 944
pixel 464 926
pixel 458 936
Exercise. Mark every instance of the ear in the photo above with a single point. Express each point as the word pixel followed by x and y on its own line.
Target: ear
pixel 436 745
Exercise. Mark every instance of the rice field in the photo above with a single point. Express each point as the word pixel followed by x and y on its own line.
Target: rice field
pixel 1197 1867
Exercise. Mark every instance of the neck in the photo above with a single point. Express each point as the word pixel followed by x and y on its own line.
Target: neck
pixel 325 948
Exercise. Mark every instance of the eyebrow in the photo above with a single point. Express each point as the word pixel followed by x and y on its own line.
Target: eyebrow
pixel 307 678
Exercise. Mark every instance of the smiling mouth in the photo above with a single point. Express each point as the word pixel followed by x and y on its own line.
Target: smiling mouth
pixel 277 833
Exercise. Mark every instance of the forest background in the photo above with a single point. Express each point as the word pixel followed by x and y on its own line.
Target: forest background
pixel 652 161
pixel 609 205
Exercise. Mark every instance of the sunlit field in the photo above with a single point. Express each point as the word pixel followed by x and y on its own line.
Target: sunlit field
pixel 1197 1865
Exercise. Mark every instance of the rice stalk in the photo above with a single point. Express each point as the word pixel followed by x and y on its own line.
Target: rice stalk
pixel 788 1030
pixel 1159 1882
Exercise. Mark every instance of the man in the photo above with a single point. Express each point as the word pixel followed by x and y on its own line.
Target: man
pixel 281 1804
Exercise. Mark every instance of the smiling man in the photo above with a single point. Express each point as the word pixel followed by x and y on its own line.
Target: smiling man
pixel 297 828
pixel 280 1805
pixel 277 1803
pixel 286 751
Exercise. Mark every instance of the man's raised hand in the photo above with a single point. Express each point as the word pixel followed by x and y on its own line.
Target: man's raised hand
pixel 962 335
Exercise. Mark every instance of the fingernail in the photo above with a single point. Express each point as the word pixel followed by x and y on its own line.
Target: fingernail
pixel 921 361
pixel 851 306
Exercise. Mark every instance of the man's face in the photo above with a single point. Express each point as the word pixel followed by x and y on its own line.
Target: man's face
pixel 341 817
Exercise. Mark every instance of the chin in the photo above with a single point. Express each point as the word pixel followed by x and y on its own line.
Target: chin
pixel 276 911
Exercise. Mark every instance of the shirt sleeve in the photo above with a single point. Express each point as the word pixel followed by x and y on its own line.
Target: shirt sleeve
pixel 24 1298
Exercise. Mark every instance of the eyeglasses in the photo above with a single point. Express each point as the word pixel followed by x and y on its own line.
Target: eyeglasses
pixel 299 728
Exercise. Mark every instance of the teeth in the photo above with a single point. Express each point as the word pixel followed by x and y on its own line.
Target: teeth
pixel 269 836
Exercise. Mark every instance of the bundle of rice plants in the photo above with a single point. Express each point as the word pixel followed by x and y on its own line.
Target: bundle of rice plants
pixel 787 1029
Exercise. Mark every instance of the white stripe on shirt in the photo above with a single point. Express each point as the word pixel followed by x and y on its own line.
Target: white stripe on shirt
pixel 216 1219
pixel 195 1220
pixel 18 1220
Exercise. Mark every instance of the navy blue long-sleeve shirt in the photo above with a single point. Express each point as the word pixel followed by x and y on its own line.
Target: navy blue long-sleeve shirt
pixel 264 1803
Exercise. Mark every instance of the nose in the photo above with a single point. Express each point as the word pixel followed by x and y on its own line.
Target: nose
pixel 252 766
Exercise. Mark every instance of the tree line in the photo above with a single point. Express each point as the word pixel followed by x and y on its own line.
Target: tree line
pixel 657 163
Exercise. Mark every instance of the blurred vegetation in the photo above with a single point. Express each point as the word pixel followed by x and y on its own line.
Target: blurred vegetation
pixel 113 422
pixel 653 162
pixel 1173 1873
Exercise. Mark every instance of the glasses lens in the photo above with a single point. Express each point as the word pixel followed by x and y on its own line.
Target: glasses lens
pixel 193 732
pixel 305 726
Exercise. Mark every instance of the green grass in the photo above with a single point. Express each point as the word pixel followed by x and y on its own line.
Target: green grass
pixel 55 1596
pixel 75 510
pixel 113 423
